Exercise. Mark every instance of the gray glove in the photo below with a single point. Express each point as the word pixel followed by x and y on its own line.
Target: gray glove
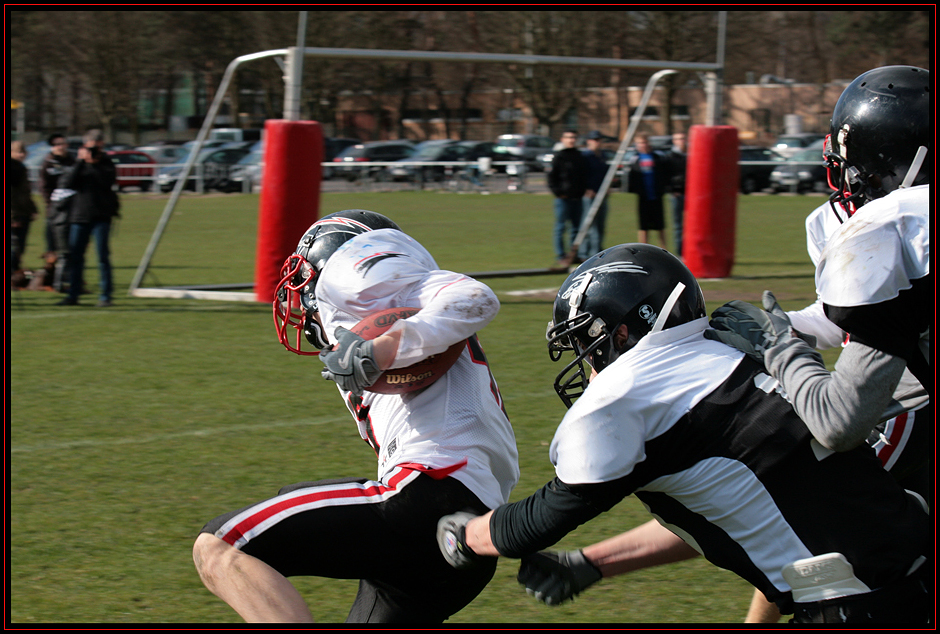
pixel 753 330
pixel 452 540
pixel 771 305
pixel 554 577
pixel 350 362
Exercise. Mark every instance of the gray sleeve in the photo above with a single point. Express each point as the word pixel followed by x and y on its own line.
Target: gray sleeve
pixel 842 407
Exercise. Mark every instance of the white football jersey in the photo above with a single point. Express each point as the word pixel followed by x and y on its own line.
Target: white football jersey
pixel 878 252
pixel 459 421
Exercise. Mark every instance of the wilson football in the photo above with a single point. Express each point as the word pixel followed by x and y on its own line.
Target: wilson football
pixel 416 376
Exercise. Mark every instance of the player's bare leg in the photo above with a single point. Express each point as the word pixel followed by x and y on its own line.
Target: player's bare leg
pixel 252 588
pixel 762 610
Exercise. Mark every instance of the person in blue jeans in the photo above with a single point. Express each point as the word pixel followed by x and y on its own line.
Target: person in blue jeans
pixel 94 205
pixel 597 170
pixel 568 182
pixel 677 158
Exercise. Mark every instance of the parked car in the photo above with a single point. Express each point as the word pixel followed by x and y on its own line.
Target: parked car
pixel 789 144
pixel 245 175
pixel 213 163
pixel 480 149
pixel 425 152
pixel 134 169
pixel 524 147
pixel 756 165
pixel 803 172
pixel 332 146
pixel 166 154
pixel 345 163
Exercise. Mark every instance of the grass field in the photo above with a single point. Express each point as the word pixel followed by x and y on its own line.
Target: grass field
pixel 131 426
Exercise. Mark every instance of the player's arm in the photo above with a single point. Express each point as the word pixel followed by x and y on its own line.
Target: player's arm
pixel 842 407
pixel 812 320
pixel 453 307
pixel 645 546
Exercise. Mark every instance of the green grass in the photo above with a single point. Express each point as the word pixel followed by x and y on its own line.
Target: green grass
pixel 132 426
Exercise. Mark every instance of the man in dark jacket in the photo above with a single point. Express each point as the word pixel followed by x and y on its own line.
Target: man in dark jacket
pixel 54 165
pixel 94 205
pixel 568 182
pixel 20 205
pixel 677 164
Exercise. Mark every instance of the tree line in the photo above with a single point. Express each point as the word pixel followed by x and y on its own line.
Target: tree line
pixel 80 69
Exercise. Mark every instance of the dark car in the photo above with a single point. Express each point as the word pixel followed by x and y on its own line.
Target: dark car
pixel 134 169
pixel 524 147
pixel 432 151
pixel 332 146
pixel 803 172
pixel 213 165
pixel 756 164
pixel 245 175
pixel 789 144
pixel 345 163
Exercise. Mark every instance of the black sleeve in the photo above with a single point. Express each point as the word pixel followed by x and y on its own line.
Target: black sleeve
pixel 543 518
pixel 893 326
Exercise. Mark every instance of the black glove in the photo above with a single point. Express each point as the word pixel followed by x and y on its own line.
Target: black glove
pixel 753 330
pixel 452 540
pixel 554 577
pixel 350 362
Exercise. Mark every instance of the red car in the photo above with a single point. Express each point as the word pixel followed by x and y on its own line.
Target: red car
pixel 134 169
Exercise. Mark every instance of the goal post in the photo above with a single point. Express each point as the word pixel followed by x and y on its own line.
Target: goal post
pixel 267 243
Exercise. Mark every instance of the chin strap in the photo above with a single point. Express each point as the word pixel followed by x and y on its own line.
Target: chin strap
pixel 915 167
pixel 667 307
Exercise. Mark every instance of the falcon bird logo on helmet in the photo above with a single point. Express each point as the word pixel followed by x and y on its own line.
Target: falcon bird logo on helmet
pixel 295 300
pixel 642 287
pixel 881 137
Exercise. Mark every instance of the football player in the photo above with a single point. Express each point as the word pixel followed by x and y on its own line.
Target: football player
pixel 873 275
pixel 903 441
pixel 711 446
pixel 445 448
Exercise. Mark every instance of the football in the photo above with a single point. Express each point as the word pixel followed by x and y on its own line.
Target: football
pixel 416 376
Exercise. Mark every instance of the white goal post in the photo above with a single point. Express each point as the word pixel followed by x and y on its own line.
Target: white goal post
pixel 294 57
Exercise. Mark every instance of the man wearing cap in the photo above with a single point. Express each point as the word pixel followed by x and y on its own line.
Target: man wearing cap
pixel 597 169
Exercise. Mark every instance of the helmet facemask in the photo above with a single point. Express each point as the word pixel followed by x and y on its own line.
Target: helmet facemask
pixel 851 187
pixel 295 306
pixel 569 336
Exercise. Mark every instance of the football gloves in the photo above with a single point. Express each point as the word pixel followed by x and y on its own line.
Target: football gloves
pixel 452 540
pixel 350 362
pixel 554 577
pixel 753 330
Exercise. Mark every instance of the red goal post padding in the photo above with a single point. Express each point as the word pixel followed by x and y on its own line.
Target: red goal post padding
pixel 711 199
pixel 290 196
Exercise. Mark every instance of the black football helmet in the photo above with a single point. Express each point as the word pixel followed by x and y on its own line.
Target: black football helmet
pixel 878 126
pixel 641 286
pixel 295 300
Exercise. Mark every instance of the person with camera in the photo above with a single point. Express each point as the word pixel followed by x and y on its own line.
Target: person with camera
pixel 92 209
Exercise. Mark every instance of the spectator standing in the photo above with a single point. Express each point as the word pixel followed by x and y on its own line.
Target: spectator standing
pixel 22 209
pixel 93 207
pixel 568 182
pixel 597 170
pixel 648 178
pixel 678 155
pixel 54 165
